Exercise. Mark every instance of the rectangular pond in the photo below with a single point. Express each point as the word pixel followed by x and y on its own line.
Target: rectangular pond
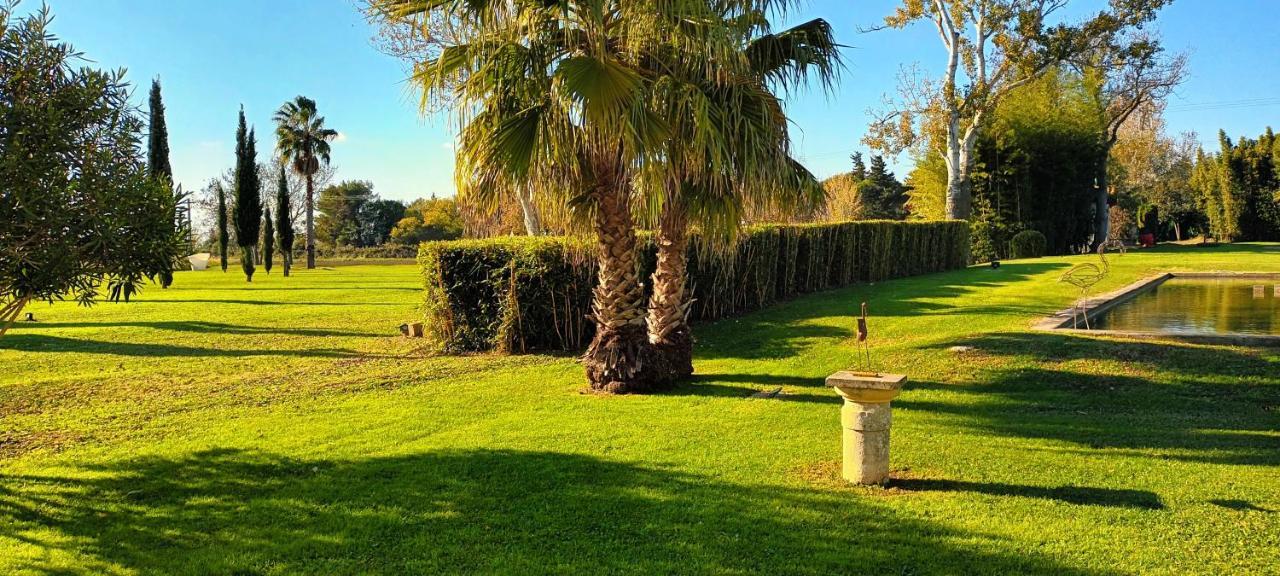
pixel 1200 305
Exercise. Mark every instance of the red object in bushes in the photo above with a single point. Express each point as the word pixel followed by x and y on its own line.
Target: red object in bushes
pixel 1147 240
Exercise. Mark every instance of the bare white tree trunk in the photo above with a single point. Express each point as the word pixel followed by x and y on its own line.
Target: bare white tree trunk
pixel 959 160
pixel 532 222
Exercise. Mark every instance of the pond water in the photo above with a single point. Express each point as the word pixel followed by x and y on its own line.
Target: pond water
pixel 1201 306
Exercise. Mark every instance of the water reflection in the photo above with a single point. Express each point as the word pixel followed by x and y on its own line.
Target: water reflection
pixel 1201 305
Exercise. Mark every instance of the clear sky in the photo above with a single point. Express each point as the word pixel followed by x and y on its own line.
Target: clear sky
pixel 214 56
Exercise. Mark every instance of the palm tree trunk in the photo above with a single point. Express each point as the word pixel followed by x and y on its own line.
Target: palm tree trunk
pixel 669 329
pixel 620 358
pixel 311 223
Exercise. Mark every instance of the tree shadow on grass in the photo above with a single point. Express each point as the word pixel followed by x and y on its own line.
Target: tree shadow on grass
pixel 267 302
pixel 1205 404
pixel 51 344
pixel 352 287
pixel 471 512
pixel 1080 495
pixel 1240 505
pixel 722 386
pixel 202 327
pixel 790 328
pixel 1237 248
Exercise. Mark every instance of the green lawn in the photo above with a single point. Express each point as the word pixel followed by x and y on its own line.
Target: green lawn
pixel 283 426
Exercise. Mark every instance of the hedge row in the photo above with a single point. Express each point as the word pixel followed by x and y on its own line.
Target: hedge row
pixel 521 294
pixel 387 250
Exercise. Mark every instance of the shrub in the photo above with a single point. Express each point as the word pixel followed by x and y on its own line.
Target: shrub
pixel 519 294
pixel 1028 244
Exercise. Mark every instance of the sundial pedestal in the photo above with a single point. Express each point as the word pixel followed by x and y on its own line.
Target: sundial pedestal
pixel 865 419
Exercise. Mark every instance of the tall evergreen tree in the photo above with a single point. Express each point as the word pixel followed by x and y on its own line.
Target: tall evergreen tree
pixel 881 195
pixel 859 168
pixel 284 225
pixel 158 166
pixel 268 240
pixel 878 172
pixel 248 198
pixel 158 138
pixel 222 223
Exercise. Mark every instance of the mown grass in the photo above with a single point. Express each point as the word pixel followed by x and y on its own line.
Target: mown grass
pixel 283 426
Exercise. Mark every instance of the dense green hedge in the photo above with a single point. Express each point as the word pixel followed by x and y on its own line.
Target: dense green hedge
pixel 522 294
pixel 387 250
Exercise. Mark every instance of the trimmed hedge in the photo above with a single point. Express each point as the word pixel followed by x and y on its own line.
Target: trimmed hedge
pixel 1028 244
pixel 388 250
pixel 521 294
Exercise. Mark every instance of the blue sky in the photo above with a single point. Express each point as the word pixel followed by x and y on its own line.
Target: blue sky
pixel 214 56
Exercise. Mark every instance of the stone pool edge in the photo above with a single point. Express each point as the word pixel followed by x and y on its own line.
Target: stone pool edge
pixel 1096 306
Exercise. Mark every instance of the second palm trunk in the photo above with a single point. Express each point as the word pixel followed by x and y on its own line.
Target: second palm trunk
pixel 669 330
pixel 620 358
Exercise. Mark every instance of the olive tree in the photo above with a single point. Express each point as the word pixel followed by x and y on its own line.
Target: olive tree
pixel 79 213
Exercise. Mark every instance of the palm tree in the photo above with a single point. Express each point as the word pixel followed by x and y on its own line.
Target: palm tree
pixel 558 96
pixel 303 140
pixel 730 147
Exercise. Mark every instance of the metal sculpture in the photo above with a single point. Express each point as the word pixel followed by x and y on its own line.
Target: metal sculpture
pixel 1118 245
pixel 862 343
pixel 1085 276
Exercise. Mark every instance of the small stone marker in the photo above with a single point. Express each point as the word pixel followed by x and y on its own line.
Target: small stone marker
pixel 865 419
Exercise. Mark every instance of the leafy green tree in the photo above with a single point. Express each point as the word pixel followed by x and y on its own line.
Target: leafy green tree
pixel 1156 170
pixel 248 197
pixel 1237 187
pixel 303 139
pixel 428 219
pixel 284 223
pixel 78 208
pixel 1128 75
pixel 340 205
pixel 377 218
pixel 842 202
pixel 1034 168
pixel 223 239
pixel 992 48
pixel 268 240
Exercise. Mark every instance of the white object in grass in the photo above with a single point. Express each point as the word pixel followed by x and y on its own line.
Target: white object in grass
pixel 199 261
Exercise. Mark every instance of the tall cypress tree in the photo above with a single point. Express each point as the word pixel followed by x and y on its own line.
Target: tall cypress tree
pixel 284 224
pixel 158 138
pixel 268 240
pixel 248 197
pixel 222 223
pixel 158 166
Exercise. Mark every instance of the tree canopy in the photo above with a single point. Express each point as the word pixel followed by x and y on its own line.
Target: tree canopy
pixel 78 207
